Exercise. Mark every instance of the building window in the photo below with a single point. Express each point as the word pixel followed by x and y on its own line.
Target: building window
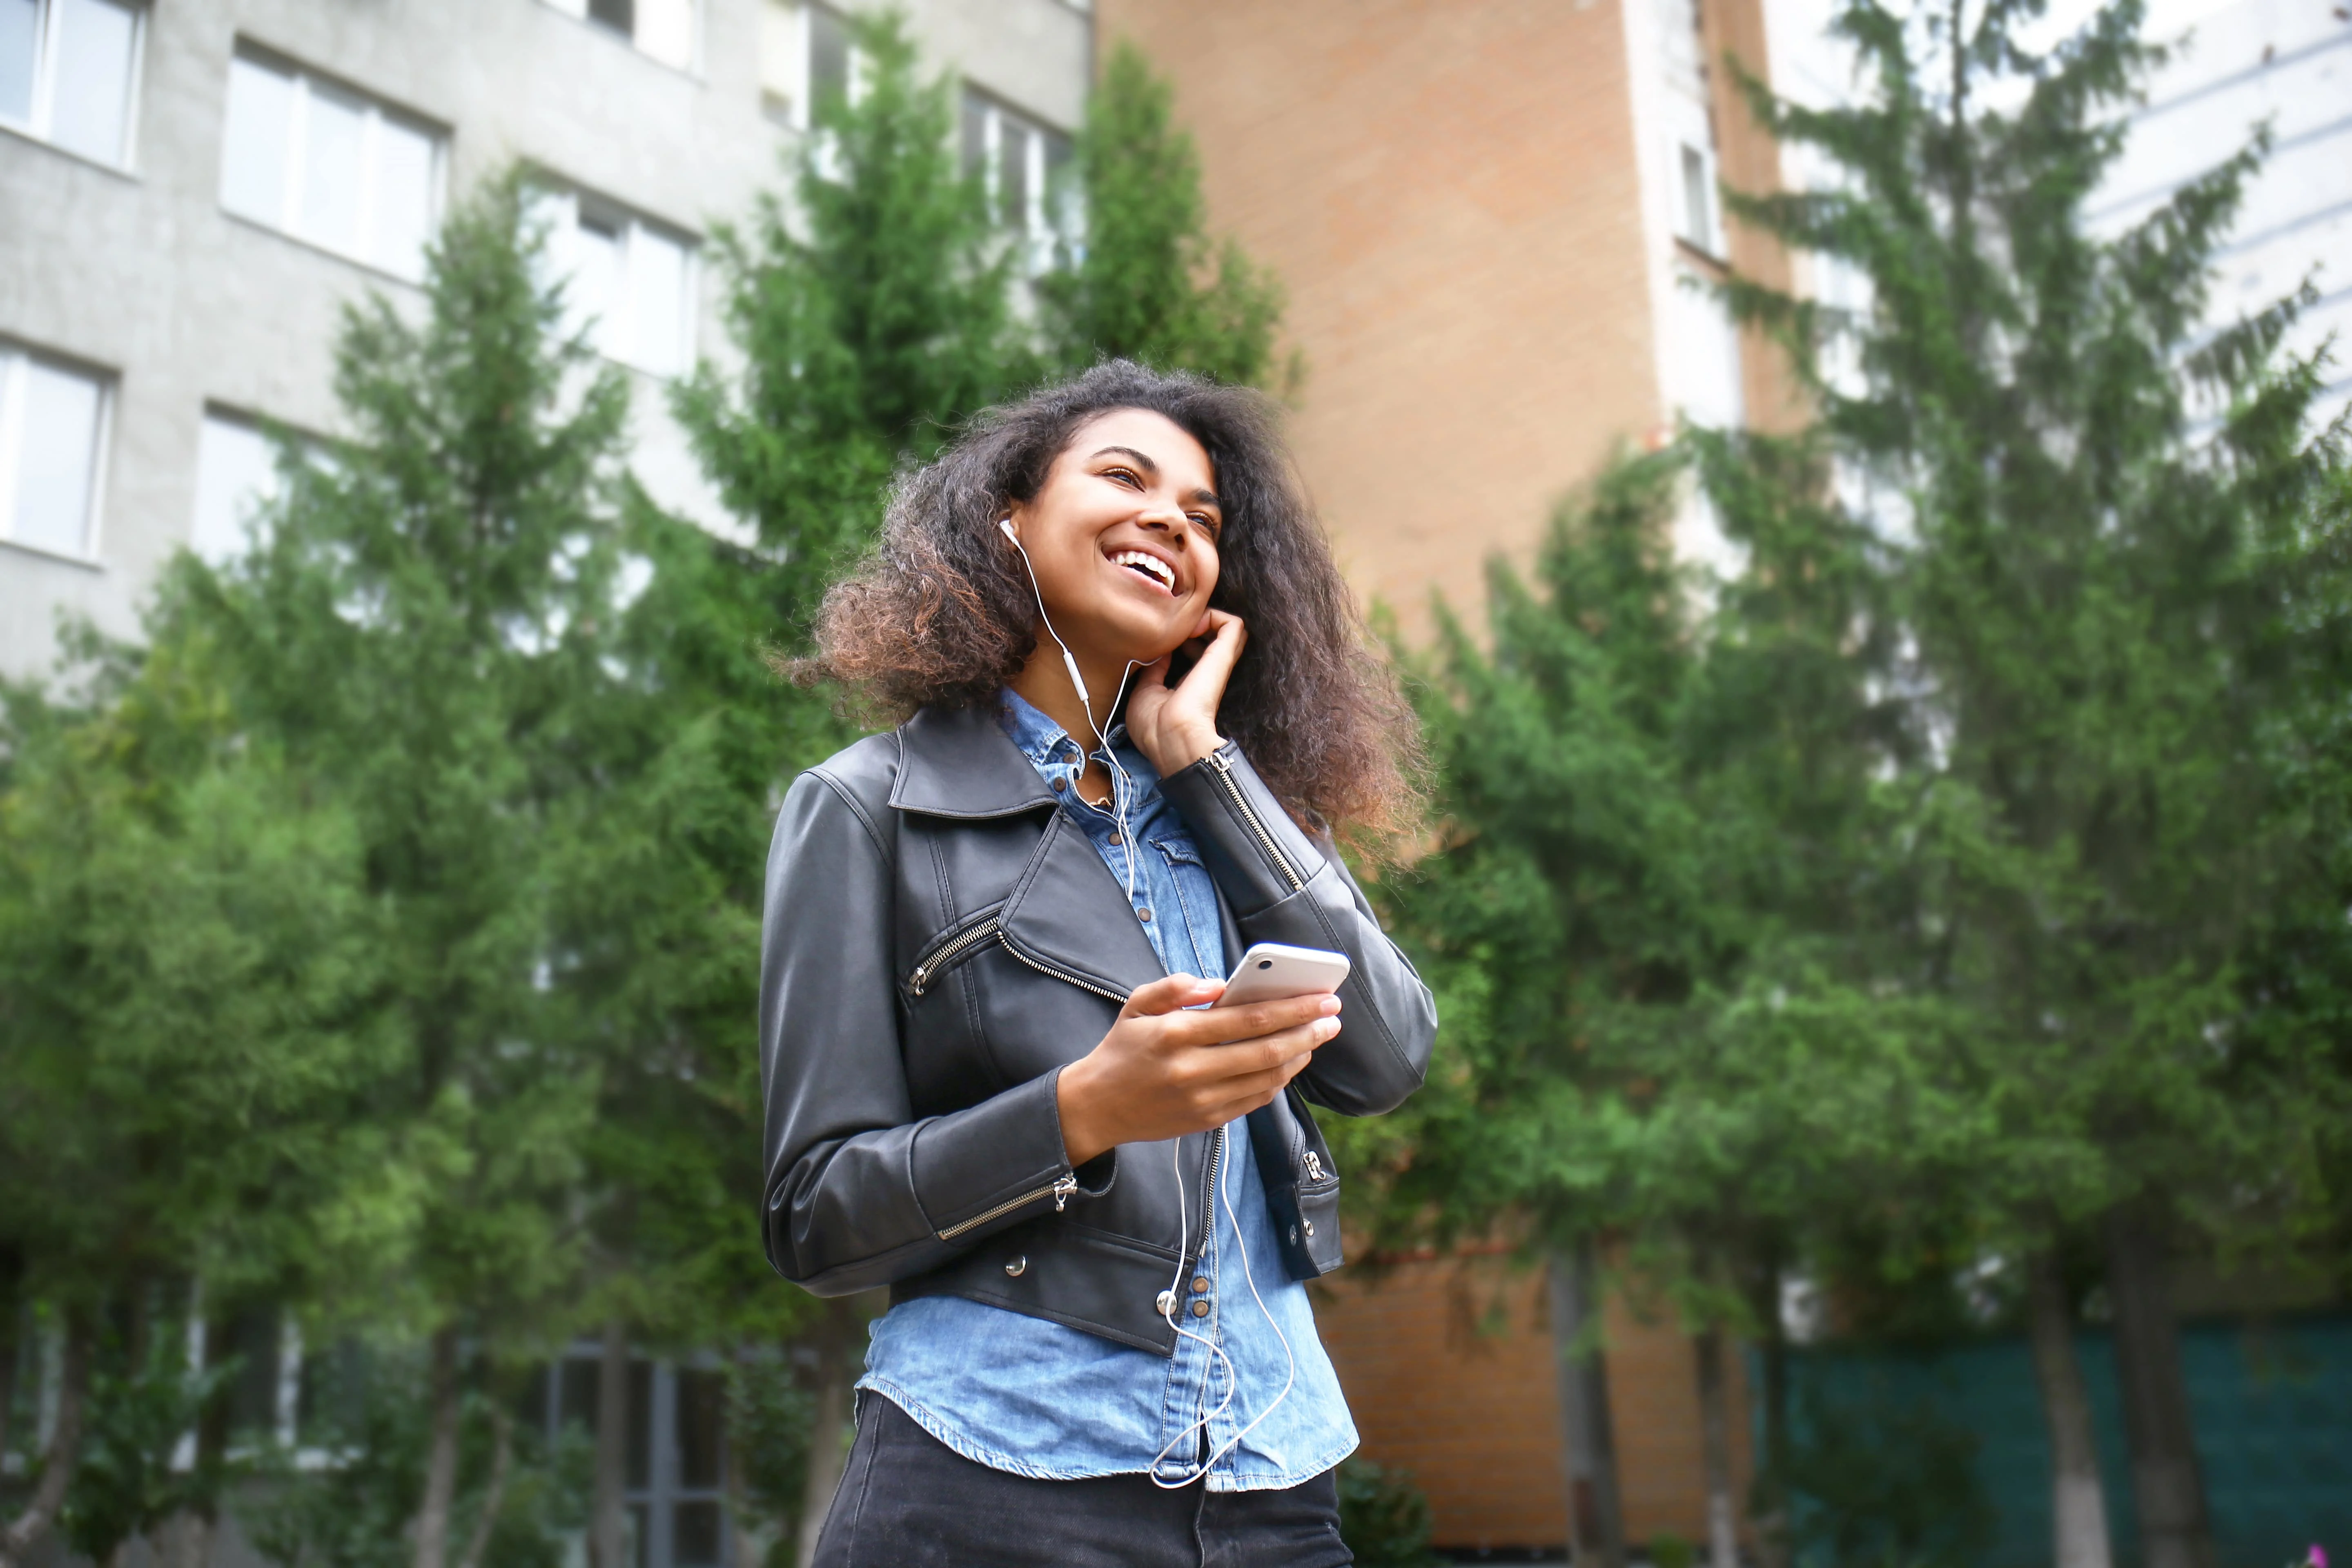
pixel 1025 166
pixel 662 30
pixel 675 1422
pixel 1695 224
pixel 70 73
pixel 52 438
pixel 329 166
pixel 237 475
pixel 627 283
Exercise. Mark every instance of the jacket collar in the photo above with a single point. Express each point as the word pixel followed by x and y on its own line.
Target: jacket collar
pixel 959 761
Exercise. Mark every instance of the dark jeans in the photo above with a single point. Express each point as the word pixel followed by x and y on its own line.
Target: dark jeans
pixel 908 1500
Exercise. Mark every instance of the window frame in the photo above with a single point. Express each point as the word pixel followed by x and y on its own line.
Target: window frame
pixel 1042 228
pixel 570 203
pixel 14 356
pixel 376 109
pixel 39 122
pixel 1709 244
pixel 698 29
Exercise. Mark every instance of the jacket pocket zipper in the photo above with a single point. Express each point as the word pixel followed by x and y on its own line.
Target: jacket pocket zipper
pixel 1313 1166
pixel 1257 825
pixel 1060 1191
pixel 956 947
pixel 1063 974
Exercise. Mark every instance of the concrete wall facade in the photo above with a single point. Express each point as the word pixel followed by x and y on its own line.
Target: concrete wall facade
pixel 140 274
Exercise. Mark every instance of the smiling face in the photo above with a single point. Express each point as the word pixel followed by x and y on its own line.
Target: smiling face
pixel 1123 537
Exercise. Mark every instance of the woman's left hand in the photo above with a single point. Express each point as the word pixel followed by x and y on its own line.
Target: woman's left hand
pixel 1176 726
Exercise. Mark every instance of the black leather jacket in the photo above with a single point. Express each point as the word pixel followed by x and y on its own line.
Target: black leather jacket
pixel 939 943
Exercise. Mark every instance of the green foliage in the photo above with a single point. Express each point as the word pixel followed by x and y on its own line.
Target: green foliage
pixel 142 1408
pixel 187 951
pixel 871 314
pixel 2115 609
pixel 1671 1551
pixel 426 626
pixel 1149 283
pixel 1383 1517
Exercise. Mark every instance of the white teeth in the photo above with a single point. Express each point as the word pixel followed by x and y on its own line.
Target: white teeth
pixel 1152 563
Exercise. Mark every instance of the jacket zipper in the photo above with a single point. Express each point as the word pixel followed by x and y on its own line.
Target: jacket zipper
pixel 958 945
pixel 1313 1166
pixel 1257 825
pixel 1211 1177
pixel 1084 984
pixel 1060 1191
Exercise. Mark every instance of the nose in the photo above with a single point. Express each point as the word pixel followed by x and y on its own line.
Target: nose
pixel 1168 522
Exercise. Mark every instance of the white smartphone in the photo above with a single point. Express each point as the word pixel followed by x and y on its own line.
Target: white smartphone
pixel 1272 972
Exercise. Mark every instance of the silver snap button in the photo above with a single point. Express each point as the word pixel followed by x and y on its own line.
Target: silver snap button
pixel 1310 1226
pixel 1167 1302
pixel 1294 1236
pixel 1017 1266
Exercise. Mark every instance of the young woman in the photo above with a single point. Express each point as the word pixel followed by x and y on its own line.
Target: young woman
pixel 1139 703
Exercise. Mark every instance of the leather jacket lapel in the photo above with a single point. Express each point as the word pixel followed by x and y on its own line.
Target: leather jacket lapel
pixel 959 763
pixel 1069 913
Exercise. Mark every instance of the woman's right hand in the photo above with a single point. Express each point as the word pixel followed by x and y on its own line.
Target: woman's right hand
pixel 1170 1067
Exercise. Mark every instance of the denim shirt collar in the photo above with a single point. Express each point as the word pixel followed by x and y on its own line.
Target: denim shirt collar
pixel 1043 741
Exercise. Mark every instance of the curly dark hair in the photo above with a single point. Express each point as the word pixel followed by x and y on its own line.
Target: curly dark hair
pixel 939 612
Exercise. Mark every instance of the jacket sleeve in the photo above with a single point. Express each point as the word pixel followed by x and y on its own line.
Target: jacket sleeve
pixel 858 1191
pixel 1285 886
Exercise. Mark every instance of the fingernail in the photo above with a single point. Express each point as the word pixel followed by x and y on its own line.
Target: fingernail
pixel 1331 1006
pixel 1326 1027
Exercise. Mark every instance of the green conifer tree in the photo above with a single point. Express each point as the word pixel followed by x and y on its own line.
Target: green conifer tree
pixel 428 628
pixel 2107 524
pixel 188 969
pixel 1147 282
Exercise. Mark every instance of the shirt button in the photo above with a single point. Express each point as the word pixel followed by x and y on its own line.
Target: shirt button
pixel 1200 1308
pixel 1143 913
pixel 1115 839
pixel 1061 784
pixel 1200 1285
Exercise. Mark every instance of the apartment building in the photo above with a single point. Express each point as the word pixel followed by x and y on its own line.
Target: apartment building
pixel 191 192
pixel 1494 222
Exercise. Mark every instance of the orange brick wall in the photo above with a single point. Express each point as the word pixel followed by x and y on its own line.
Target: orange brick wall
pixel 1448 193
pixel 1448 1369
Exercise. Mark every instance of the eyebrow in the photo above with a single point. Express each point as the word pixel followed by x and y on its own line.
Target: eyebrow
pixel 1143 460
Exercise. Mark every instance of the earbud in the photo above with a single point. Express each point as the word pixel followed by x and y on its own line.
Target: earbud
pixel 1005 526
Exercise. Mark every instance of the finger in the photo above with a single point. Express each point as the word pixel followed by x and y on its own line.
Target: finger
pixel 1169 994
pixel 1218 1025
pixel 1215 664
pixel 1155 675
pixel 1222 1065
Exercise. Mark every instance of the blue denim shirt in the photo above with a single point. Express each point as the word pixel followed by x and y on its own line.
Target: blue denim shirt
pixel 1025 1394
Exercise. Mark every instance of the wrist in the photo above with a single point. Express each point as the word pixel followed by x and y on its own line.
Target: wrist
pixel 1083 1137
pixel 1187 745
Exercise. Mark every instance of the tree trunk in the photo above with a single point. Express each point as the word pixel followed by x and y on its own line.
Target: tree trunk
pixel 2168 1486
pixel 836 1335
pixel 746 1542
pixel 1595 1517
pixel 440 1455
pixel 1714 1441
pixel 189 1541
pixel 608 1521
pixel 494 1496
pixel 1769 1510
pixel 2078 1508
pixel 63 1454
pixel 12 1312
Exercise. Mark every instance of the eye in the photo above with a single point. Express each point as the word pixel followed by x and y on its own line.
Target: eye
pixel 1125 476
